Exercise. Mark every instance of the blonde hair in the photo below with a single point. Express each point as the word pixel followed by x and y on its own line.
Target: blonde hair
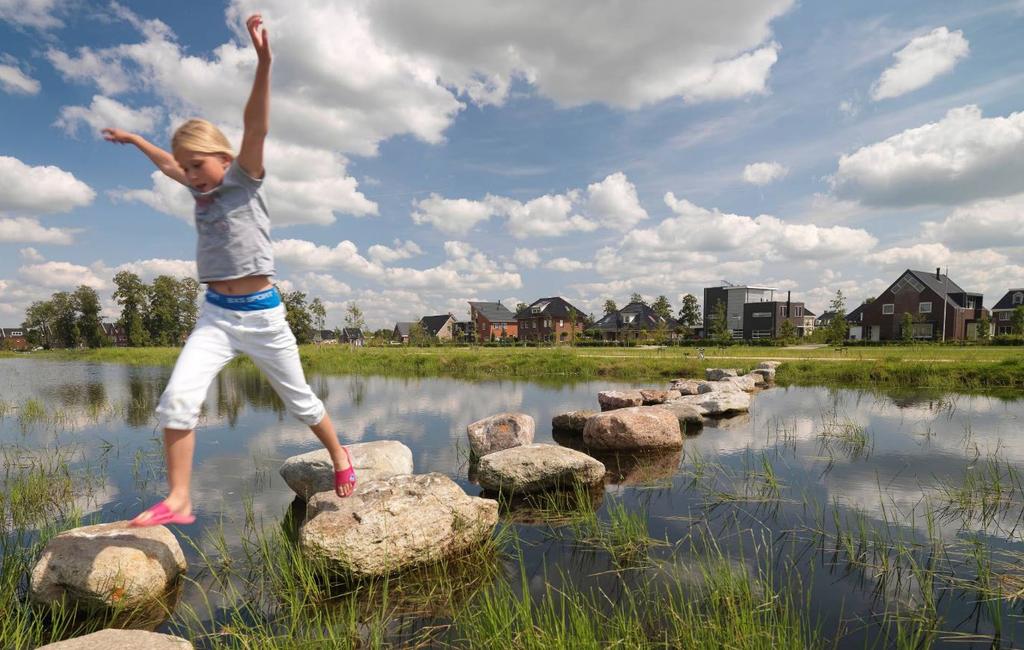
pixel 202 137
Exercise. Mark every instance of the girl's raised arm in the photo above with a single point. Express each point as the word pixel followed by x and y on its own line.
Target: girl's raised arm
pixel 163 160
pixel 257 111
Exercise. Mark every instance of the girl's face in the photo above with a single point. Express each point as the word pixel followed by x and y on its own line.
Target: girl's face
pixel 204 171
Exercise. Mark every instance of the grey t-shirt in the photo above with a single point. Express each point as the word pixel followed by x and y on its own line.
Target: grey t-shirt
pixel 234 228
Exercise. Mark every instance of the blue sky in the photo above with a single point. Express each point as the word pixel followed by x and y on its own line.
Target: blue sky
pixel 427 154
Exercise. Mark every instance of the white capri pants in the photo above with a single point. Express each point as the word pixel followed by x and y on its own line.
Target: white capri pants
pixel 219 336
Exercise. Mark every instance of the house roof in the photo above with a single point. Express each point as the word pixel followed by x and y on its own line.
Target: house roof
pixel 635 315
pixel 494 312
pixel 10 331
pixel 808 312
pixel 433 324
pixel 351 333
pixel 826 316
pixel 855 315
pixel 1006 302
pixel 556 307
pixel 403 328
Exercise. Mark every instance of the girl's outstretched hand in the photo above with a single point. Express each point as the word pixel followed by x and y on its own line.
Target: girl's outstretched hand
pixel 117 135
pixel 258 34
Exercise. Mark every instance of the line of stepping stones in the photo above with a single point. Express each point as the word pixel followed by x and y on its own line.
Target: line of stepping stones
pixel 396 519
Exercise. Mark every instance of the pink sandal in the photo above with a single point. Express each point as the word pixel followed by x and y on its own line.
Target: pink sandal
pixel 160 514
pixel 346 476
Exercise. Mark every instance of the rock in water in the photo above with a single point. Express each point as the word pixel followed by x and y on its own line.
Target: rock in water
pixel 122 639
pixel 619 399
pixel 769 365
pixel 501 431
pixel 395 524
pixel 718 374
pixel 307 474
pixel 685 386
pixel 639 427
pixel 537 467
pixel 718 402
pixel 652 396
pixel 757 378
pixel 108 567
pixel 745 383
pixel 571 422
pixel 690 417
pixel 716 386
pixel 767 373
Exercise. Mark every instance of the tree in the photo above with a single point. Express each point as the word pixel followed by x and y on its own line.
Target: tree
pixel 354 317
pixel 418 335
pixel 720 330
pixel 130 294
pixel 689 313
pixel 188 309
pixel 662 307
pixel 40 320
pixel 636 297
pixel 65 319
pixel 610 307
pixel 87 306
pixel 1017 321
pixel 837 329
pixel 907 332
pixel 163 318
pixel 787 332
pixel 984 328
pixel 521 307
pixel 297 314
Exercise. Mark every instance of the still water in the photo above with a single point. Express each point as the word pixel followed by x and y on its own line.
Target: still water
pixel 802 460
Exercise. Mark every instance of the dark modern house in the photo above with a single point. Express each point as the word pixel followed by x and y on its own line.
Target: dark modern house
pixel 940 309
pixel 734 297
pixel 630 322
pixel 763 320
pixel 550 319
pixel 855 322
pixel 1002 311
pixel 492 321
pixel 352 336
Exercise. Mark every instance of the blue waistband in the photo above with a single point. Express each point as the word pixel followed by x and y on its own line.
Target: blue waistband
pixel 265 299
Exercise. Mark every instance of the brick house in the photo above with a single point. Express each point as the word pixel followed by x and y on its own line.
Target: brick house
pixel 629 322
pixel 401 332
pixel 492 321
pixel 550 319
pixel 14 339
pixel 940 308
pixel 1002 311
pixel 442 326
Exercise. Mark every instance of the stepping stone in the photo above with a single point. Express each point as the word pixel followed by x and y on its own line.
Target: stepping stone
pixel 619 399
pixel 652 396
pixel 767 373
pixel 536 468
pixel 757 378
pixel 571 422
pixel 395 524
pixel 309 473
pixel 718 402
pixel 109 567
pixel 769 365
pixel 745 383
pixel 685 386
pixel 718 374
pixel 123 639
pixel 638 427
pixel 690 417
pixel 716 386
pixel 501 431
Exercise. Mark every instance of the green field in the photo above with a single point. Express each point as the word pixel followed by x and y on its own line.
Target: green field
pixel 966 367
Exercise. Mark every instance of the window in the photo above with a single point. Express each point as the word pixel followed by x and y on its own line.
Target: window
pixel 889 309
pixel 907 282
pixel 924 308
pixel 785 311
pixel 922 330
pixel 1004 315
pixel 761 334
pixel 761 314
pixel 798 311
pixel 1018 298
pixel 560 323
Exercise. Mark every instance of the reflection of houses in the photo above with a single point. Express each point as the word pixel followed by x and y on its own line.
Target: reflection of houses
pixel 352 336
pixel 14 338
pixel 116 333
pixel 734 298
pixel 1002 312
pixel 550 319
pixel 940 309
pixel 763 320
pixel 628 323
pixel 492 321
pixel 441 326
pixel 401 332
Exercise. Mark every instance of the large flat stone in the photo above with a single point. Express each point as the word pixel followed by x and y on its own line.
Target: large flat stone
pixel 639 427
pixel 112 639
pixel 309 473
pixel 501 431
pixel 718 374
pixel 571 422
pixel 619 399
pixel 536 468
pixel 394 524
pixel 718 402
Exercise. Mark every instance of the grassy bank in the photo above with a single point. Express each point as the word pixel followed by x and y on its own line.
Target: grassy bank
pixel 946 367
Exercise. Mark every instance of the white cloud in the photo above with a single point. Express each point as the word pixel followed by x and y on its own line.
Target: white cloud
pixel 61 275
pixel 613 203
pixel 149 269
pixel 989 223
pixel 919 256
pixel 763 173
pixel 527 257
pixel 30 254
pixel 101 67
pixel 29 231
pixel 849 108
pixel 399 251
pixel 452 216
pixel 921 61
pixel 16 82
pixel 550 215
pixel 29 191
pixel 961 158
pixel 323 284
pixel 30 13
pixel 104 112
pixel 567 265
pixel 167 196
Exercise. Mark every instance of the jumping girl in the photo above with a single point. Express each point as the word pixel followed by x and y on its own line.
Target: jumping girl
pixel 243 312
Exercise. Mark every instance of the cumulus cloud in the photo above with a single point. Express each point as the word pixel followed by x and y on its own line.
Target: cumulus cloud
pixel 149 269
pixel 34 190
pixel 613 203
pixel 990 223
pixel 961 158
pixel 918 256
pixel 167 196
pixel 764 173
pixel 29 231
pixel 16 82
pixel 30 254
pixel 40 14
pixel 104 112
pixel 527 257
pixel 323 284
pixel 398 251
pixel 452 216
pixel 920 62
pixel 551 215
pixel 567 265
pixel 61 275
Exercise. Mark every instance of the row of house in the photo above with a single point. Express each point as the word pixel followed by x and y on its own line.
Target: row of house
pixel 546 319
pixel 753 312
